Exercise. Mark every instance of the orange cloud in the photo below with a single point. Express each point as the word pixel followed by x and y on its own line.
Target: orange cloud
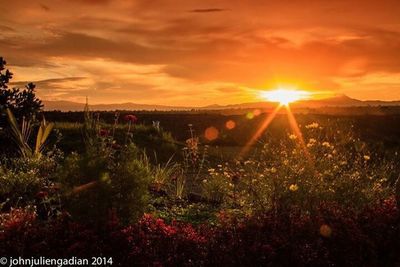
pixel 180 52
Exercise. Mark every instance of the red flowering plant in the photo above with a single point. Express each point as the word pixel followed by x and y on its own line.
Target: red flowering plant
pixel 333 236
pixel 131 119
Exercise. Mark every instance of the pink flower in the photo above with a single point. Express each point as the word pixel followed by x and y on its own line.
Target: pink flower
pixel 131 118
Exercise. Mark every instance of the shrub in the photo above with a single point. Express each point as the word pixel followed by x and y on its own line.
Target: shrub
pixel 30 182
pixel 332 236
pixel 328 166
pixel 23 103
pixel 96 184
pixel 107 178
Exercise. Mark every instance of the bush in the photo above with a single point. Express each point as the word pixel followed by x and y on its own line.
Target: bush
pixel 23 103
pixel 327 166
pixel 333 236
pixel 30 182
pixel 97 183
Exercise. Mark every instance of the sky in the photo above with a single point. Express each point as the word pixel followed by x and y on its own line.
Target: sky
pixel 197 53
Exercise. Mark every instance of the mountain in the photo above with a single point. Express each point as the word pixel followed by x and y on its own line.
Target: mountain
pixel 74 106
pixel 337 101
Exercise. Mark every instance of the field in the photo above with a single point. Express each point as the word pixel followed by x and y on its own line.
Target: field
pixel 166 190
pixel 200 133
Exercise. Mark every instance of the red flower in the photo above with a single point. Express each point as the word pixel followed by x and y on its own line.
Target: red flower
pixel 131 118
pixel 42 194
pixel 104 133
pixel 115 146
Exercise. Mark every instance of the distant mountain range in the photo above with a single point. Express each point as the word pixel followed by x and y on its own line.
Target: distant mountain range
pixel 337 101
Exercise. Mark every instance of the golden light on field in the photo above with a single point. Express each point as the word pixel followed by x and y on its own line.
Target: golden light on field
pixel 285 96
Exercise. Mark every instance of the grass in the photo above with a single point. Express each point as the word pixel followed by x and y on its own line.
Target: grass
pixel 340 167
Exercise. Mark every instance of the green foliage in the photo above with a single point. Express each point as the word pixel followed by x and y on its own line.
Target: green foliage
pixel 330 166
pixel 192 165
pixel 163 174
pixel 22 136
pixel 216 187
pixel 30 181
pixel 194 213
pixel 106 178
pixel 155 142
pixel 97 184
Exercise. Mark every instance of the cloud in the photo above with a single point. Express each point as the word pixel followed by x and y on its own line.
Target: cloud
pixel 173 52
pixel 207 10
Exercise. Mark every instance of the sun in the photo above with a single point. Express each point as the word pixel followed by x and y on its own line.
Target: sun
pixel 284 96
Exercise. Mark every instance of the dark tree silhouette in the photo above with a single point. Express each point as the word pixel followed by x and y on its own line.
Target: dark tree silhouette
pixel 23 103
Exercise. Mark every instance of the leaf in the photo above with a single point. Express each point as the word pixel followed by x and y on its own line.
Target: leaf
pixel 42 135
pixel 20 136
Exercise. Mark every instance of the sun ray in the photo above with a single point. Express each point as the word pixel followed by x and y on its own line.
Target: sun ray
pixel 260 131
pixel 296 130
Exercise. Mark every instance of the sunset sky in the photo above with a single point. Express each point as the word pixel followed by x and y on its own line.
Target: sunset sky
pixel 182 52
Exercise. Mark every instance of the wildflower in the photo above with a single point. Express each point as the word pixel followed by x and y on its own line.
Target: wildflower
pixel 205 181
pixel 104 133
pixel 156 124
pixel 313 125
pixel 292 137
pixel 293 187
pixel 327 145
pixel 131 118
pixel 192 143
pixel 366 157
pixel 311 142
pixel 116 146
pixel 211 170
pixel 273 170
pixel 42 194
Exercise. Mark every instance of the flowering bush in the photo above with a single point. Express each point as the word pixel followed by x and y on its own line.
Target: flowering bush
pixel 333 236
pixel 30 182
pixel 304 171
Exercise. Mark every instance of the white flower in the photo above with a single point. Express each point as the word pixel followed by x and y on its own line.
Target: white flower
pixel 313 125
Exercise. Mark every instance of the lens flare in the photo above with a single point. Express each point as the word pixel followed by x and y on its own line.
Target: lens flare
pixel 230 124
pixel 211 133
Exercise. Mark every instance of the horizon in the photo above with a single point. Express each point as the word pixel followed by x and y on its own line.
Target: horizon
pixel 192 53
pixel 336 101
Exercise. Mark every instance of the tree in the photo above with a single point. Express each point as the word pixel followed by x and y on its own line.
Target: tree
pixel 22 103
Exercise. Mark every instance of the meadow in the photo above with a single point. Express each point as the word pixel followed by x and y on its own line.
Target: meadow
pixel 157 189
